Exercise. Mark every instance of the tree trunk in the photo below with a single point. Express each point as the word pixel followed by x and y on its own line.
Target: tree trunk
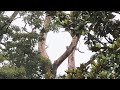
pixel 42 44
pixel 70 49
pixel 71 60
pixel 43 35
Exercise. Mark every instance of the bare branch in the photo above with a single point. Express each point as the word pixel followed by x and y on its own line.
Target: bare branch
pixel 109 41
pixel 72 46
pixel 24 28
pixel 91 60
pixel 33 29
pixel 76 49
pixel 17 18
pixel 79 50
pixel 2 43
pixel 13 15
pixel 25 25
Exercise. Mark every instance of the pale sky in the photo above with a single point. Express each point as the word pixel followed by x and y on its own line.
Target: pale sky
pixel 57 43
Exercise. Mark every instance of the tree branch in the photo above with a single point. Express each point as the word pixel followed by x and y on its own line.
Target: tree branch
pixel 43 35
pixel 91 60
pixel 79 50
pixel 72 46
pixel 111 42
pixel 9 22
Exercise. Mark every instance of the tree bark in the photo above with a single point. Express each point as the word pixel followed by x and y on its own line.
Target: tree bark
pixel 70 49
pixel 42 44
pixel 71 60
pixel 13 15
pixel 43 35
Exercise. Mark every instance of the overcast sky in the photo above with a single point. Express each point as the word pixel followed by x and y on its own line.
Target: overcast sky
pixel 57 43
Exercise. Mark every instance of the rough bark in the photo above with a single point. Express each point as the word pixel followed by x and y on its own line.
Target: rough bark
pixel 71 60
pixel 42 44
pixel 43 35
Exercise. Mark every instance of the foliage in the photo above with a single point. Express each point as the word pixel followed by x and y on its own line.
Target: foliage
pixel 12 72
pixel 106 62
pixel 19 51
pixel 95 26
pixel 104 65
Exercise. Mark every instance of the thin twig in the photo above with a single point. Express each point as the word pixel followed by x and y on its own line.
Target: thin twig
pixel 109 41
pixel 46 47
pixel 79 50
pixel 17 18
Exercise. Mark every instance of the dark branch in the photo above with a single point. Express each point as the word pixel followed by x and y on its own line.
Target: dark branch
pixel 79 50
pixel 94 38
pixel 111 42
pixel 8 22
pixel 91 60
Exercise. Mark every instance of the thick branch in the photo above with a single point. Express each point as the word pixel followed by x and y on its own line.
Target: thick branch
pixel 13 15
pixel 91 60
pixel 72 46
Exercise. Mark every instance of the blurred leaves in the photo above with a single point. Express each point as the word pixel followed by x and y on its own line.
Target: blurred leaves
pixel 12 72
pixel 94 25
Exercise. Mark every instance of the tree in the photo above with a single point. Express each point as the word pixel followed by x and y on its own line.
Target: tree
pixel 32 19
pixel 43 35
pixel 20 53
pixel 105 63
pixel 95 26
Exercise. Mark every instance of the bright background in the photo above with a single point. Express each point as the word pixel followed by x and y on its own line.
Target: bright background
pixel 57 43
